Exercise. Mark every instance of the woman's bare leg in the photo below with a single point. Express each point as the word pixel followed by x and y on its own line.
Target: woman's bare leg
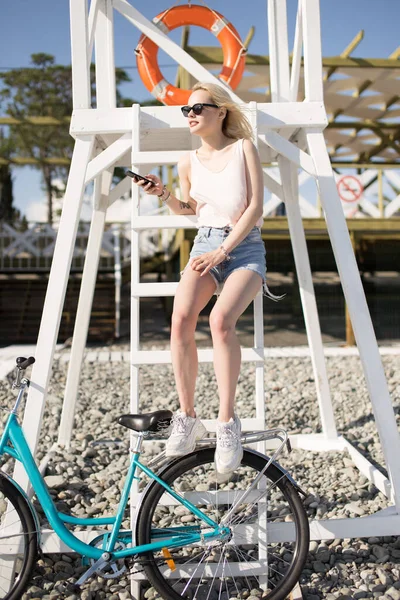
pixel 239 290
pixel 192 295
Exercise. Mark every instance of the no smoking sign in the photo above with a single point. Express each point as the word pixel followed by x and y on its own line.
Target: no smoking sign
pixel 350 188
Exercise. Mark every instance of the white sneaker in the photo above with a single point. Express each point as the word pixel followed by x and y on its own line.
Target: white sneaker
pixel 185 432
pixel 229 451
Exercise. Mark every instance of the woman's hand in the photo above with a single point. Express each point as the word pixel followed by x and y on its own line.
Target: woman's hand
pixel 153 190
pixel 207 261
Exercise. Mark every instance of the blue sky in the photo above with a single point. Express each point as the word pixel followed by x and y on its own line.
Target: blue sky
pixel 28 27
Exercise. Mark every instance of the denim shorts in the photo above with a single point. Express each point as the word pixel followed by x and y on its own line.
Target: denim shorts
pixel 249 254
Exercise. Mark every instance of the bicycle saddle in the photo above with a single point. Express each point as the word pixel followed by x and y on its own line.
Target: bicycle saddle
pixel 153 421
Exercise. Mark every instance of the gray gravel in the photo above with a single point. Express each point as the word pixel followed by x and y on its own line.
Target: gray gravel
pixel 87 479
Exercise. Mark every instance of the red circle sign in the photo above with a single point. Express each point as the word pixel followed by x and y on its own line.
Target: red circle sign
pixel 350 188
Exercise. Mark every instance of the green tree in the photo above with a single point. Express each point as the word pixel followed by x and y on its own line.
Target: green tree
pixel 7 211
pixel 44 90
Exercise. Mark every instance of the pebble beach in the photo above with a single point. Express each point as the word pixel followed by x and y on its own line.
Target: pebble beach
pixel 87 478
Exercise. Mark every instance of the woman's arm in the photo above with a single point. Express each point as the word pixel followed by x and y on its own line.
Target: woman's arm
pixel 184 206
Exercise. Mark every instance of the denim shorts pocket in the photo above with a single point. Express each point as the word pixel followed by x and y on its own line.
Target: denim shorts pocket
pixel 200 237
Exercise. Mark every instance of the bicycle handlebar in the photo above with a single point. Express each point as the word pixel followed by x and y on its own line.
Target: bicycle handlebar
pixel 23 363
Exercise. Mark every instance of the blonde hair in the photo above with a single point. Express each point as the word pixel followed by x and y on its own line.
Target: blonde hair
pixel 235 125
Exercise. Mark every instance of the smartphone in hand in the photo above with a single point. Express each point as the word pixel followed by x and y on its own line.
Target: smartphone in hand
pixel 138 177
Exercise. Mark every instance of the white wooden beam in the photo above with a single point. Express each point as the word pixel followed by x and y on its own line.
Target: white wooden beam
pixel 122 188
pixel 297 51
pixel 54 300
pixel 359 313
pixel 278 51
pixel 100 196
pixel 289 177
pixel 272 184
pixel 206 355
pixel 275 115
pixel 81 93
pixel 105 61
pixel 108 157
pixel 93 11
pixel 312 51
pixel 289 150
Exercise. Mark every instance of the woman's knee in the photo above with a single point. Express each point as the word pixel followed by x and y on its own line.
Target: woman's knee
pixel 183 323
pixel 221 323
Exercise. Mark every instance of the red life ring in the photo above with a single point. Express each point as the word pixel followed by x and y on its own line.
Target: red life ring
pixel 178 16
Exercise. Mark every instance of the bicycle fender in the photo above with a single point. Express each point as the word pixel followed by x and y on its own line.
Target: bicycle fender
pixel 283 471
pixel 27 501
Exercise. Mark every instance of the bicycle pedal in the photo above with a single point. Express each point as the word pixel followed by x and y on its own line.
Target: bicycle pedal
pixel 67 586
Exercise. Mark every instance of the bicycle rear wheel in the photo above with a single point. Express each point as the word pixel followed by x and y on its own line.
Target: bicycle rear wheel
pixel 18 541
pixel 270 532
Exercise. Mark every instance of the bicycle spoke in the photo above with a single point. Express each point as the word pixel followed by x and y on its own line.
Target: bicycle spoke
pixel 241 562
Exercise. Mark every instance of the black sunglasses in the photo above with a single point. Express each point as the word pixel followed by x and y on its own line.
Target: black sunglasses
pixel 196 108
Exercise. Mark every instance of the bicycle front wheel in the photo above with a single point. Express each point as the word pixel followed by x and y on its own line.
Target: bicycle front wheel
pixel 18 541
pixel 270 534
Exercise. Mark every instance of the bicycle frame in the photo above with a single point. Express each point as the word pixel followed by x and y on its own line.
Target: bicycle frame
pixel 180 536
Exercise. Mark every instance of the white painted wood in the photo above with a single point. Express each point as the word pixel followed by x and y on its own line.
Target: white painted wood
pixel 108 157
pixel 392 207
pixel 307 294
pixel 135 313
pixel 369 207
pixel 394 178
pixel 164 222
pixel 370 471
pixel 272 185
pixel 358 309
pixel 271 205
pixel 118 279
pixel 289 150
pixel 278 51
pixel 319 530
pixel 258 319
pixel 85 303
pixel 122 188
pixel 312 51
pixel 54 300
pixel 93 11
pixel 355 527
pixel 167 288
pixel 297 53
pixel 105 62
pixel 158 157
pixel 271 116
pixel 91 357
pixel 291 115
pixel 159 357
pixel 81 94
pixel 275 352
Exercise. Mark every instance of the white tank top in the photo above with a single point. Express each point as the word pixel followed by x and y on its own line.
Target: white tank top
pixel 221 196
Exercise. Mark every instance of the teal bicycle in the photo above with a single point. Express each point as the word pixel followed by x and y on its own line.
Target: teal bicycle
pixel 196 534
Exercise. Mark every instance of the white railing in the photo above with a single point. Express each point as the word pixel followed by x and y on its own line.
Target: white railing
pixel 32 249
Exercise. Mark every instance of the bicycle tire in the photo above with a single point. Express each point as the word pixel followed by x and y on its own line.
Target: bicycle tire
pixel 19 515
pixel 280 485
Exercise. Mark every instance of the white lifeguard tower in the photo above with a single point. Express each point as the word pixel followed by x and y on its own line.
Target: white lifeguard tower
pixel 288 133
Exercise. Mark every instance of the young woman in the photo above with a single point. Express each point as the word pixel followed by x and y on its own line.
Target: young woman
pixel 222 184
